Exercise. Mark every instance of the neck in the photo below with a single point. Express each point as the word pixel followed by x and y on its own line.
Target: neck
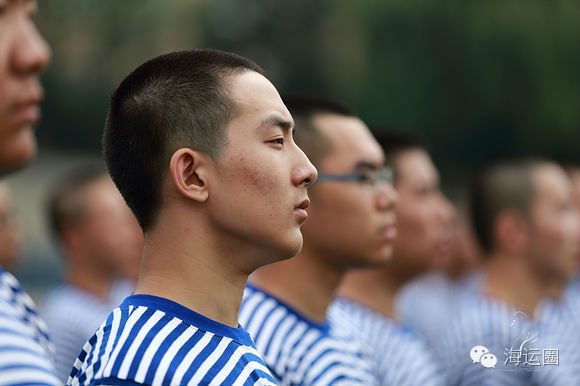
pixel 195 270
pixel 93 281
pixel 374 288
pixel 511 280
pixel 306 282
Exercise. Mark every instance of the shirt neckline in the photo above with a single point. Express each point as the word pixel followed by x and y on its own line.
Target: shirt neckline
pixel 190 317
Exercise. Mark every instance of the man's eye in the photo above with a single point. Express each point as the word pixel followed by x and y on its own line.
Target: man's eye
pixel 278 141
pixel 364 177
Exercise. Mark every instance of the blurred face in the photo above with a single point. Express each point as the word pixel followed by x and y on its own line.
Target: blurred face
pixel 23 54
pixel 424 215
pixel 258 192
pixel 554 228
pixel 352 223
pixel 109 230
pixel 10 237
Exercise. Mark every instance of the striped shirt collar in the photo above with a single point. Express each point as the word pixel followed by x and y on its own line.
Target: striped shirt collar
pixel 189 316
pixel 322 327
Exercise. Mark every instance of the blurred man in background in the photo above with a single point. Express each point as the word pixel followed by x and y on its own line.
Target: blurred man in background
pixel 524 219
pixel 10 234
pixel 25 348
pixel 423 235
pixel 351 224
pixel 99 238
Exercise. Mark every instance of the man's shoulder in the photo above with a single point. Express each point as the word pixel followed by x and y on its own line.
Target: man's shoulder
pixel 148 344
pixel 25 347
pixel 301 351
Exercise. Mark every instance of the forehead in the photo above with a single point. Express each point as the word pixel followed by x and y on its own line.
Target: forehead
pixel 351 140
pixel 551 183
pixel 255 97
pixel 415 165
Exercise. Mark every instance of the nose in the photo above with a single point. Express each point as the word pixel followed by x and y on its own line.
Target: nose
pixel 387 196
pixel 446 210
pixel 304 172
pixel 30 52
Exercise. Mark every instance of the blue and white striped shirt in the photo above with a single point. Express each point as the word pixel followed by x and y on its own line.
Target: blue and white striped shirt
pixel 73 315
pixel 299 351
pixel 155 341
pixel 425 303
pixel 517 342
pixel 561 330
pixel 401 357
pixel 25 348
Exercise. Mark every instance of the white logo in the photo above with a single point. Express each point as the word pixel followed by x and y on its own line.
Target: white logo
pixel 488 360
pixel 477 352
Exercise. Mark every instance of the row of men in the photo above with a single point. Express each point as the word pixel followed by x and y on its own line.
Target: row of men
pixel 203 151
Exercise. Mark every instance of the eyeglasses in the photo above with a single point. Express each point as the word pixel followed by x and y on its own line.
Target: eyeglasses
pixel 371 177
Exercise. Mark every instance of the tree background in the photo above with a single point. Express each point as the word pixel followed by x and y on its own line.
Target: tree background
pixel 475 78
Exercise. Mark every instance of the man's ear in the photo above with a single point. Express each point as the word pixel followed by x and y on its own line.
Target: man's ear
pixel 189 170
pixel 512 232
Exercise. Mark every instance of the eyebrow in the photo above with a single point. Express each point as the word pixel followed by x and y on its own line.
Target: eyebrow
pixel 366 165
pixel 276 120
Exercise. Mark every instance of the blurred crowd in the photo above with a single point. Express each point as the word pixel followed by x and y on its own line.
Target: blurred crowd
pixel 393 283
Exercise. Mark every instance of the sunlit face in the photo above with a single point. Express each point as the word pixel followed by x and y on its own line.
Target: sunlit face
pixel 258 196
pixel 109 230
pixel 424 215
pixel 352 222
pixel 554 235
pixel 23 54
pixel 10 236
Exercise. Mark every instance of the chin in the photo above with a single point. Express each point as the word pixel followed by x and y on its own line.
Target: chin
pixel 290 248
pixel 17 154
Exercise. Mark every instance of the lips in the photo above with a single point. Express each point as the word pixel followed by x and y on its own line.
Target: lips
pixel 389 231
pixel 300 210
pixel 26 111
pixel 25 114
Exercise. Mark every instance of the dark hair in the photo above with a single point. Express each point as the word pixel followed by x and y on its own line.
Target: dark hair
pixel 499 185
pixel 315 144
pixel 395 142
pixel 66 205
pixel 174 100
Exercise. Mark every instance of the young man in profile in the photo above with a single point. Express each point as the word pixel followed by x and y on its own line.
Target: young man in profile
pixel 351 225
pixel 201 147
pixel 366 302
pixel 25 348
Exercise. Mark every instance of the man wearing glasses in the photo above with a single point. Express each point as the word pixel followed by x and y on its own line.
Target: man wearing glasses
pixel 366 303
pixel 351 225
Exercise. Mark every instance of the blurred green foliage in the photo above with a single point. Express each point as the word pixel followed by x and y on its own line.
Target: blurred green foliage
pixel 476 78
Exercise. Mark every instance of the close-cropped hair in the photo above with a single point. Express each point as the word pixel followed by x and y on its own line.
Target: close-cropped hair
pixel 501 185
pixel 66 205
pixel 396 142
pixel 172 101
pixel 303 108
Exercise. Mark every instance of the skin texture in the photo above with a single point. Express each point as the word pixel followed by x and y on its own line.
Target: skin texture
pixel 223 218
pixel 105 243
pixel 259 180
pixel 23 55
pixel 351 224
pixel 10 235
